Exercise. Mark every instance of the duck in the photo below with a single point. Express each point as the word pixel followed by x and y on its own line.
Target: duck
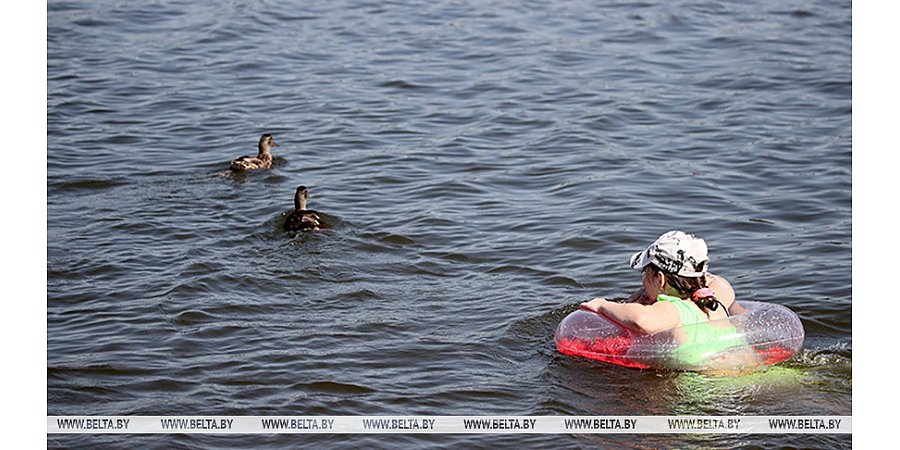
pixel 302 219
pixel 263 160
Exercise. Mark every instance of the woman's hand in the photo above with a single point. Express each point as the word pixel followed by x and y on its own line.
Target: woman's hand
pixel 594 305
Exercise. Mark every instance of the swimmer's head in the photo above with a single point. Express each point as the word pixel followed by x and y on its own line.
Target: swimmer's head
pixel 675 252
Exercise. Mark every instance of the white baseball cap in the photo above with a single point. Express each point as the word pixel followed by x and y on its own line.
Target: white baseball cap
pixel 675 252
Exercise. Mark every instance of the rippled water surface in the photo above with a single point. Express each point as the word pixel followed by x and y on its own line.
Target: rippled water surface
pixel 485 166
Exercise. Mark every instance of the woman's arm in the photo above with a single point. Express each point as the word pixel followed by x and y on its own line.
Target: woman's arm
pixel 645 319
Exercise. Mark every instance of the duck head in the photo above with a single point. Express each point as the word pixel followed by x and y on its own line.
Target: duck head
pixel 300 198
pixel 266 142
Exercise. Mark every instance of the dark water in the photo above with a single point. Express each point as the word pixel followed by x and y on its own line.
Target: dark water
pixel 485 165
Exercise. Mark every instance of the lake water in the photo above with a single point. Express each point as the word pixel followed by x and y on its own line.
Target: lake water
pixel 485 167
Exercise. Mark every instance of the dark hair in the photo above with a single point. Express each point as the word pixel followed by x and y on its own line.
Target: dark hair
pixel 687 286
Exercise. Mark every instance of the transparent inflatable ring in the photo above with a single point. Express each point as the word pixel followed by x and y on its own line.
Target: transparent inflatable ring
pixel 766 334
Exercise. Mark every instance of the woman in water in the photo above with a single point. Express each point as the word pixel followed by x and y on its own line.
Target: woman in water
pixel 677 291
pixel 686 299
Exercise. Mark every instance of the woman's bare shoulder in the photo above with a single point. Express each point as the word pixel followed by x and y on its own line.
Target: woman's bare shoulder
pixel 722 288
pixel 713 278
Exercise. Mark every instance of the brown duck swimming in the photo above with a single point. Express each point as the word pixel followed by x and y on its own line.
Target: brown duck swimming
pixel 302 219
pixel 263 160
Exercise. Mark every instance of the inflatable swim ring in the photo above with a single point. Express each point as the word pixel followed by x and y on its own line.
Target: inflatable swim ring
pixel 766 334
